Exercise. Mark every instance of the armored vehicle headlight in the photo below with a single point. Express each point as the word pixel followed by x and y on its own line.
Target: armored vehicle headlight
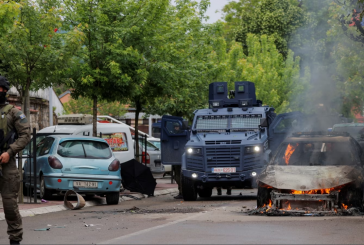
pixel 252 149
pixel 254 174
pixel 194 175
pixel 194 151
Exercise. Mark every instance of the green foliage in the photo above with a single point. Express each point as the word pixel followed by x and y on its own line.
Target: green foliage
pixel 33 53
pixel 9 10
pixel 83 105
pixel 276 18
pixel 277 81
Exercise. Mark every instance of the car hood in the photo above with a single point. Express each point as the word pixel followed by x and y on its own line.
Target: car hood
pixel 305 178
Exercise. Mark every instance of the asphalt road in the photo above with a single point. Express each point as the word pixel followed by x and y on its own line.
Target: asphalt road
pixel 164 220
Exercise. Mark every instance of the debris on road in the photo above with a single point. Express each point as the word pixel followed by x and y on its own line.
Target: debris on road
pixel 42 229
pixel 268 211
pixel 44 201
pixel 80 200
pixel 136 210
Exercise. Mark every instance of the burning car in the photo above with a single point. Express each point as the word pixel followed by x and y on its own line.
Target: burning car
pixel 324 172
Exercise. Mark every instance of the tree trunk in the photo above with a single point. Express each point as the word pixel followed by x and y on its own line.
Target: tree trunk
pixel 26 101
pixel 94 119
pixel 136 136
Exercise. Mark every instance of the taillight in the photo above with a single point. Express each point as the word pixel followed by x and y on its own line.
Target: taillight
pixel 54 162
pixel 114 165
pixel 143 158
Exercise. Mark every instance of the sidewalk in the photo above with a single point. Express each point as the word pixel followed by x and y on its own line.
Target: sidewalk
pixel 163 187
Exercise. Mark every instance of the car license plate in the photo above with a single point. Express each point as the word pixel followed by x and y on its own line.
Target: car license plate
pixel 85 184
pixel 224 170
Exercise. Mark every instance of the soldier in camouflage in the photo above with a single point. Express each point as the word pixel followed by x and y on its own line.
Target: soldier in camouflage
pixel 12 122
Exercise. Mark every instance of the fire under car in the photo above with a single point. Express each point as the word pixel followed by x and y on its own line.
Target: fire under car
pixel 317 170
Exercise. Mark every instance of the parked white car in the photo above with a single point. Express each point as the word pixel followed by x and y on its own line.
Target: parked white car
pixel 157 143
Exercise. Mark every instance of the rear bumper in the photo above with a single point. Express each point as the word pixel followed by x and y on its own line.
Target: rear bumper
pixel 105 183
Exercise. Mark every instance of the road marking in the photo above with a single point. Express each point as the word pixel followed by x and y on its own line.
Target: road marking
pixel 118 239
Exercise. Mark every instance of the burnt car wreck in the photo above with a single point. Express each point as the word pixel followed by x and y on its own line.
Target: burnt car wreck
pixel 313 172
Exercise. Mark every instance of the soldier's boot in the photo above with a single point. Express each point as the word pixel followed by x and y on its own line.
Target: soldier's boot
pixel 228 191
pixel 218 191
pixel 14 242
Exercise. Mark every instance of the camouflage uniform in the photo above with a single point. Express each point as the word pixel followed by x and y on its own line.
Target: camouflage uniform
pixel 10 181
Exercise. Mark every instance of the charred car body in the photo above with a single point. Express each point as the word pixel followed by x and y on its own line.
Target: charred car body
pixel 227 144
pixel 314 169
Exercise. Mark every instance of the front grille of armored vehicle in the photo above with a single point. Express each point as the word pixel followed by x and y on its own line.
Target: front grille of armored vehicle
pixel 195 163
pixel 223 142
pixel 223 156
pixel 251 161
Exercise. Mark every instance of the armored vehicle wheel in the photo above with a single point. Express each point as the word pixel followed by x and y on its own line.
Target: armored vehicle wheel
pixel 206 192
pixel 263 196
pixel 189 191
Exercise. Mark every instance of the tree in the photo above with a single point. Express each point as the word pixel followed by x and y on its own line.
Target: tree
pixel 34 51
pixel 278 82
pixel 84 106
pixel 276 18
pixel 170 55
pixel 106 24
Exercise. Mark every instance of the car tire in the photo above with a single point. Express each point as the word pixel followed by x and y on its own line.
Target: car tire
pixel 44 192
pixel 189 191
pixel 351 196
pixel 206 192
pixel 263 196
pixel 112 198
pixel 27 191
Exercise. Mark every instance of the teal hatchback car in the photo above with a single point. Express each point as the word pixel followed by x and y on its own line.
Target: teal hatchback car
pixel 84 164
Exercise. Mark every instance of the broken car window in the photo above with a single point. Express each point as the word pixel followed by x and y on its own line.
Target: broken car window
pixel 316 154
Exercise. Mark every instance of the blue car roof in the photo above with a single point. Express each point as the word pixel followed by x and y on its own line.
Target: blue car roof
pixel 75 137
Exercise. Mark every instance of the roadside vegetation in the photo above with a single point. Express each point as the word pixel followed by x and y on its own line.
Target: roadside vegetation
pixel 159 56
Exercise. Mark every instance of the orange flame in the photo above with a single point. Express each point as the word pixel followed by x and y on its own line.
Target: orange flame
pixel 270 203
pixel 318 191
pixel 344 206
pixel 289 151
pixel 289 206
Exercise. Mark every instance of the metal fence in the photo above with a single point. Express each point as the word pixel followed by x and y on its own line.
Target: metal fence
pixel 30 179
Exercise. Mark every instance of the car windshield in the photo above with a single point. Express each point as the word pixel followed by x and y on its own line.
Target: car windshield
pixel 150 146
pixel 356 132
pixel 156 143
pixel 228 121
pixel 84 149
pixel 316 154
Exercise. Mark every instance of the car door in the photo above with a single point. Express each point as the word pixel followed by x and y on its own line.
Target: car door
pixel 282 126
pixel 173 142
pixel 43 151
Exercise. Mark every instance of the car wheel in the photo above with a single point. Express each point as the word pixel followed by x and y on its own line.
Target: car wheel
pixel 112 198
pixel 206 192
pixel 263 196
pixel 44 193
pixel 189 192
pixel 351 196
pixel 27 191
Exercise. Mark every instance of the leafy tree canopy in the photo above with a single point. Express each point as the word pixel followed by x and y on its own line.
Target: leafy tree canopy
pixel 276 18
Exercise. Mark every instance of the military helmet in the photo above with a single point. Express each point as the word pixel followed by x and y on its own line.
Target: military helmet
pixel 4 83
pixel 176 124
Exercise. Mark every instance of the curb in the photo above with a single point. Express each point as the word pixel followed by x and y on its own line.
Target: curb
pixel 57 208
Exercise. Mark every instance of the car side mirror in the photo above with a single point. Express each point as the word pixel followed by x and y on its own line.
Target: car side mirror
pixel 263 122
